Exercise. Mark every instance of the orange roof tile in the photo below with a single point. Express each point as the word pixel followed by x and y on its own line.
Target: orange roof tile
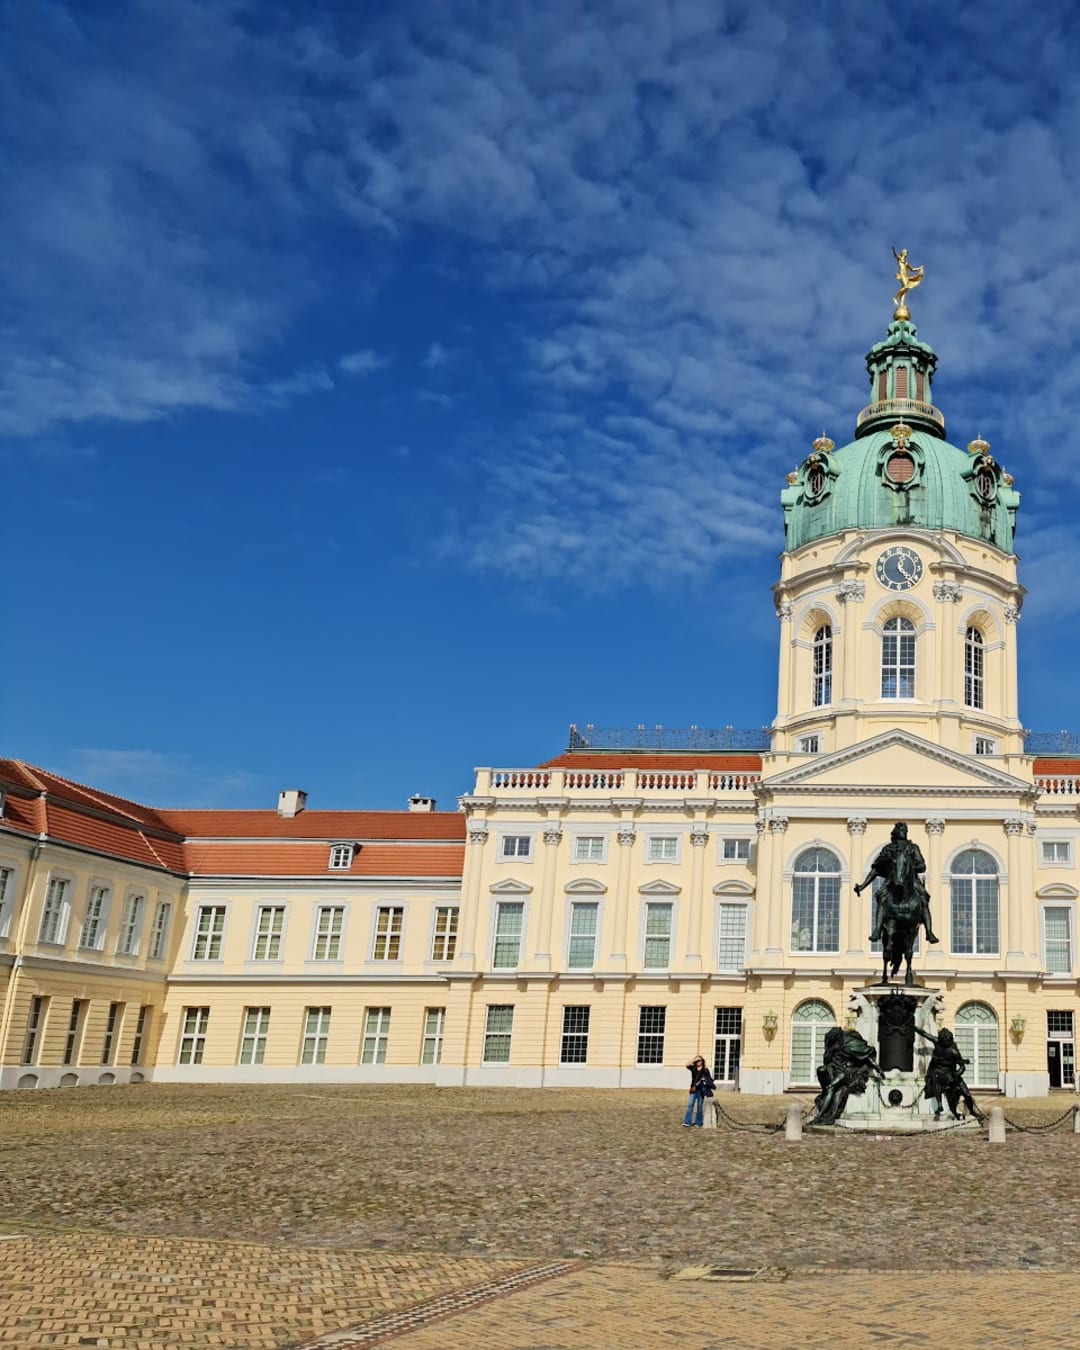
pixel 346 826
pixel 1060 766
pixel 303 859
pixel 633 759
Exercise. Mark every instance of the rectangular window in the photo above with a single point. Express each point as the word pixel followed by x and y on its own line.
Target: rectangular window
pixel 444 939
pixel 316 1035
pixel 209 927
pixel 434 1025
pixel 509 925
pixel 974 670
pixel 1058 935
pixel 517 845
pixel 974 915
pixel 650 1040
pixel 498 1029
pixel 822 666
pixel 1054 851
pixel 54 915
pixel 735 850
pixel 254 1034
pixel 727 1048
pixel 329 923
pixel 130 920
pixel 341 856
pixel 583 923
pixel 574 1048
pixel 898 659
pixel 376 1036
pixel 388 924
pixel 159 934
pixel 589 848
pixel 193 1027
pixel 74 1031
pixel 657 936
pixel 5 899
pixel 112 1032
pixel 731 948
pixel 663 848
pixel 142 1029
pixel 269 927
pixel 93 930
pixel 35 1027
pixel 985 746
pixel 810 745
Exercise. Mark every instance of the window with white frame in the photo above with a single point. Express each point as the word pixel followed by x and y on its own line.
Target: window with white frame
pixel 1055 852
pixel 1057 939
pixel 985 745
pixel 159 932
pixel 574 1046
pixel 727 1044
pixel 112 1032
pixel 194 1023
pixel 658 918
pixel 444 935
pixel 35 1028
pixel 209 929
pixel 583 926
pixel 316 1035
pixel 815 902
pixel 516 846
pixel 662 848
pixel 127 944
pixel 1061 1046
pixel 652 1023
pixel 329 923
pixel 822 650
pixel 376 1036
pixel 974 668
pixel 509 926
pixel 253 1035
pixel 976 1032
pixel 589 848
pixel 434 1026
pixel 7 885
pixel 810 745
pixel 898 658
pixel 76 1023
pixel 389 921
pixel 341 856
pixel 973 885
pixel 54 914
pixel 92 936
pixel 498 1030
pixel 809 1024
pixel 731 947
pixel 735 850
pixel 269 926
pixel 142 1030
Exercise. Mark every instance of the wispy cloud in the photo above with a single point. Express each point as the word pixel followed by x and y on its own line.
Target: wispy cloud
pixel 362 362
pixel 435 357
pixel 156 778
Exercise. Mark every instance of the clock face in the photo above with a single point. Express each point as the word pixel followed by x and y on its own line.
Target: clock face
pixel 899 568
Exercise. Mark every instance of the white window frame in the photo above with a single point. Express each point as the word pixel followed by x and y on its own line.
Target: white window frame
pixel 341 857
pixel 254 1031
pixel 742 849
pixel 209 936
pixel 893 631
pixel 36 1018
pixel 142 1028
pixel 657 850
pixel 159 930
pixel 819 902
pixel 649 907
pixel 810 744
pixel 434 1030
pixel 498 1037
pixel 972 891
pixel 55 910
pixel 444 935
pixel 389 934
pixel 816 1028
pixel 95 917
pixel 513 841
pixel 329 933
pixel 7 896
pixel 591 854
pixel 1067 861
pixel 114 1029
pixel 974 668
pixel 984 746
pixel 194 1024
pixel 316 1035
pixel 581 907
pixel 821 664
pixel 269 936
pixel 726 908
pixel 76 1028
pixel 131 922
pixel 504 908
pixel 657 1038
pixel 573 1037
pixel 376 1037
pixel 1060 903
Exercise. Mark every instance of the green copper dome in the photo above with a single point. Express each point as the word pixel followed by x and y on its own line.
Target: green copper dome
pixel 899 470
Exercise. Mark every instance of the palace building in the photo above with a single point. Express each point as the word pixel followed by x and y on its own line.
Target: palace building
pixel 599 918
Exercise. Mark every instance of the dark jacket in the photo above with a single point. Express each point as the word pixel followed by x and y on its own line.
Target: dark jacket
pixel 701 1080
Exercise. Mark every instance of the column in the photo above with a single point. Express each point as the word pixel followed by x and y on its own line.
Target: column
pixel 625 838
pixel 784 611
pixel 699 838
pixel 1013 945
pixel 776 898
pixel 470 894
pixel 935 828
pixel 1012 617
pixel 546 918
pixel 850 594
pixel 858 910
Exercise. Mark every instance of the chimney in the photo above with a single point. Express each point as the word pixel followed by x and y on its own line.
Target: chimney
pixel 291 802
pixel 418 803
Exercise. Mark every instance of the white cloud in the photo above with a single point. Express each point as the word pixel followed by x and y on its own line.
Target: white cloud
pixel 362 362
pixel 156 778
pixel 435 357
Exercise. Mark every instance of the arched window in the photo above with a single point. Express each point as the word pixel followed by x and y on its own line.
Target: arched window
pixel 974 668
pixel 977 1040
pixel 815 902
pixel 823 666
pixel 809 1023
pixel 974 904
pixel 898 658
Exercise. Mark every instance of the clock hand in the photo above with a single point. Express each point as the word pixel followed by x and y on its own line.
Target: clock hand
pixel 902 562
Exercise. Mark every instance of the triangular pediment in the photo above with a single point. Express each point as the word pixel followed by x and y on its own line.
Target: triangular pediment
pixel 511 886
pixel 897 761
pixel 659 888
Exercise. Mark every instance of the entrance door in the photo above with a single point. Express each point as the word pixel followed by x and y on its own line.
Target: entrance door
pixel 1060 1048
pixel 1053 1062
pixel 728 1044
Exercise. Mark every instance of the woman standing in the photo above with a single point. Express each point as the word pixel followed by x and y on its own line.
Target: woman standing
pixel 701 1086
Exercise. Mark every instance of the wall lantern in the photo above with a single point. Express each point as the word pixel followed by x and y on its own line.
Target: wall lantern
pixel 851 1019
pixel 769 1023
pixel 1017 1025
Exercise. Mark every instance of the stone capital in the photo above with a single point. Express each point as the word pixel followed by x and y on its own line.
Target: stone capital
pixel 626 837
pixel 552 835
pixel 478 834
pixel 784 610
pixel 851 590
pixel 935 825
pixel 778 824
pixel 1013 825
pixel 761 825
pixel 1012 613
pixel 856 824
pixel 948 590
pixel 699 838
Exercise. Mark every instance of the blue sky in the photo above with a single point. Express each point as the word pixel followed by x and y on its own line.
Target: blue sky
pixel 384 387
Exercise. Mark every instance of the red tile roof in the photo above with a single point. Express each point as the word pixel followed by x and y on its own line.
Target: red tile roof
pixel 1057 766
pixel 632 759
pixel 344 826
pixel 302 859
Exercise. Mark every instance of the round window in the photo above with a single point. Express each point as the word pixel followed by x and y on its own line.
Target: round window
pixel 900 467
pixel 984 482
pixel 815 481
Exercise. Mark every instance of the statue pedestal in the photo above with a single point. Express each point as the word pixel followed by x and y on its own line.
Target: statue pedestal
pixel 886 1015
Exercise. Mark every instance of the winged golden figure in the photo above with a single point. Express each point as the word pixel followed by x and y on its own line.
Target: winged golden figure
pixel 909 277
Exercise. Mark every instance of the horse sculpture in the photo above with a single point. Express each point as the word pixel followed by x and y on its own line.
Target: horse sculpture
pixel 903 903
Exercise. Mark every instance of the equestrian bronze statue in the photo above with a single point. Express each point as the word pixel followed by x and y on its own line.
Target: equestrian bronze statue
pixel 903 903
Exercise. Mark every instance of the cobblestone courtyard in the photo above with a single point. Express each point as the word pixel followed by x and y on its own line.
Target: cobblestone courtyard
pixel 162 1216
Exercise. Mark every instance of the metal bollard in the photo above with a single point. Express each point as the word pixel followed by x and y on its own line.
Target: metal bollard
pixel 793 1124
pixel 997 1125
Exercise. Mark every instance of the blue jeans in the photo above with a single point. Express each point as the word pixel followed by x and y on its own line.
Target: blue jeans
pixel 695 1110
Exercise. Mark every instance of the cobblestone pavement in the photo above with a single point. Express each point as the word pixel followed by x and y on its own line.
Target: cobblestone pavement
pixel 320 1209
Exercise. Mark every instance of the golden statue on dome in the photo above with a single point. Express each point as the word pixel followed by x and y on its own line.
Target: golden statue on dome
pixel 909 277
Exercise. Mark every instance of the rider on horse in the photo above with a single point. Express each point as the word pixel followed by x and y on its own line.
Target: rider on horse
pixel 899 864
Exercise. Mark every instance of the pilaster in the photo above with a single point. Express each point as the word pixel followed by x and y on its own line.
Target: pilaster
pixel 775 949
pixel 858 922
pixel 625 837
pixel 699 838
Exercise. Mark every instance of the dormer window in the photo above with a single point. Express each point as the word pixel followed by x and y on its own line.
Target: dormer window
pixel 341 856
